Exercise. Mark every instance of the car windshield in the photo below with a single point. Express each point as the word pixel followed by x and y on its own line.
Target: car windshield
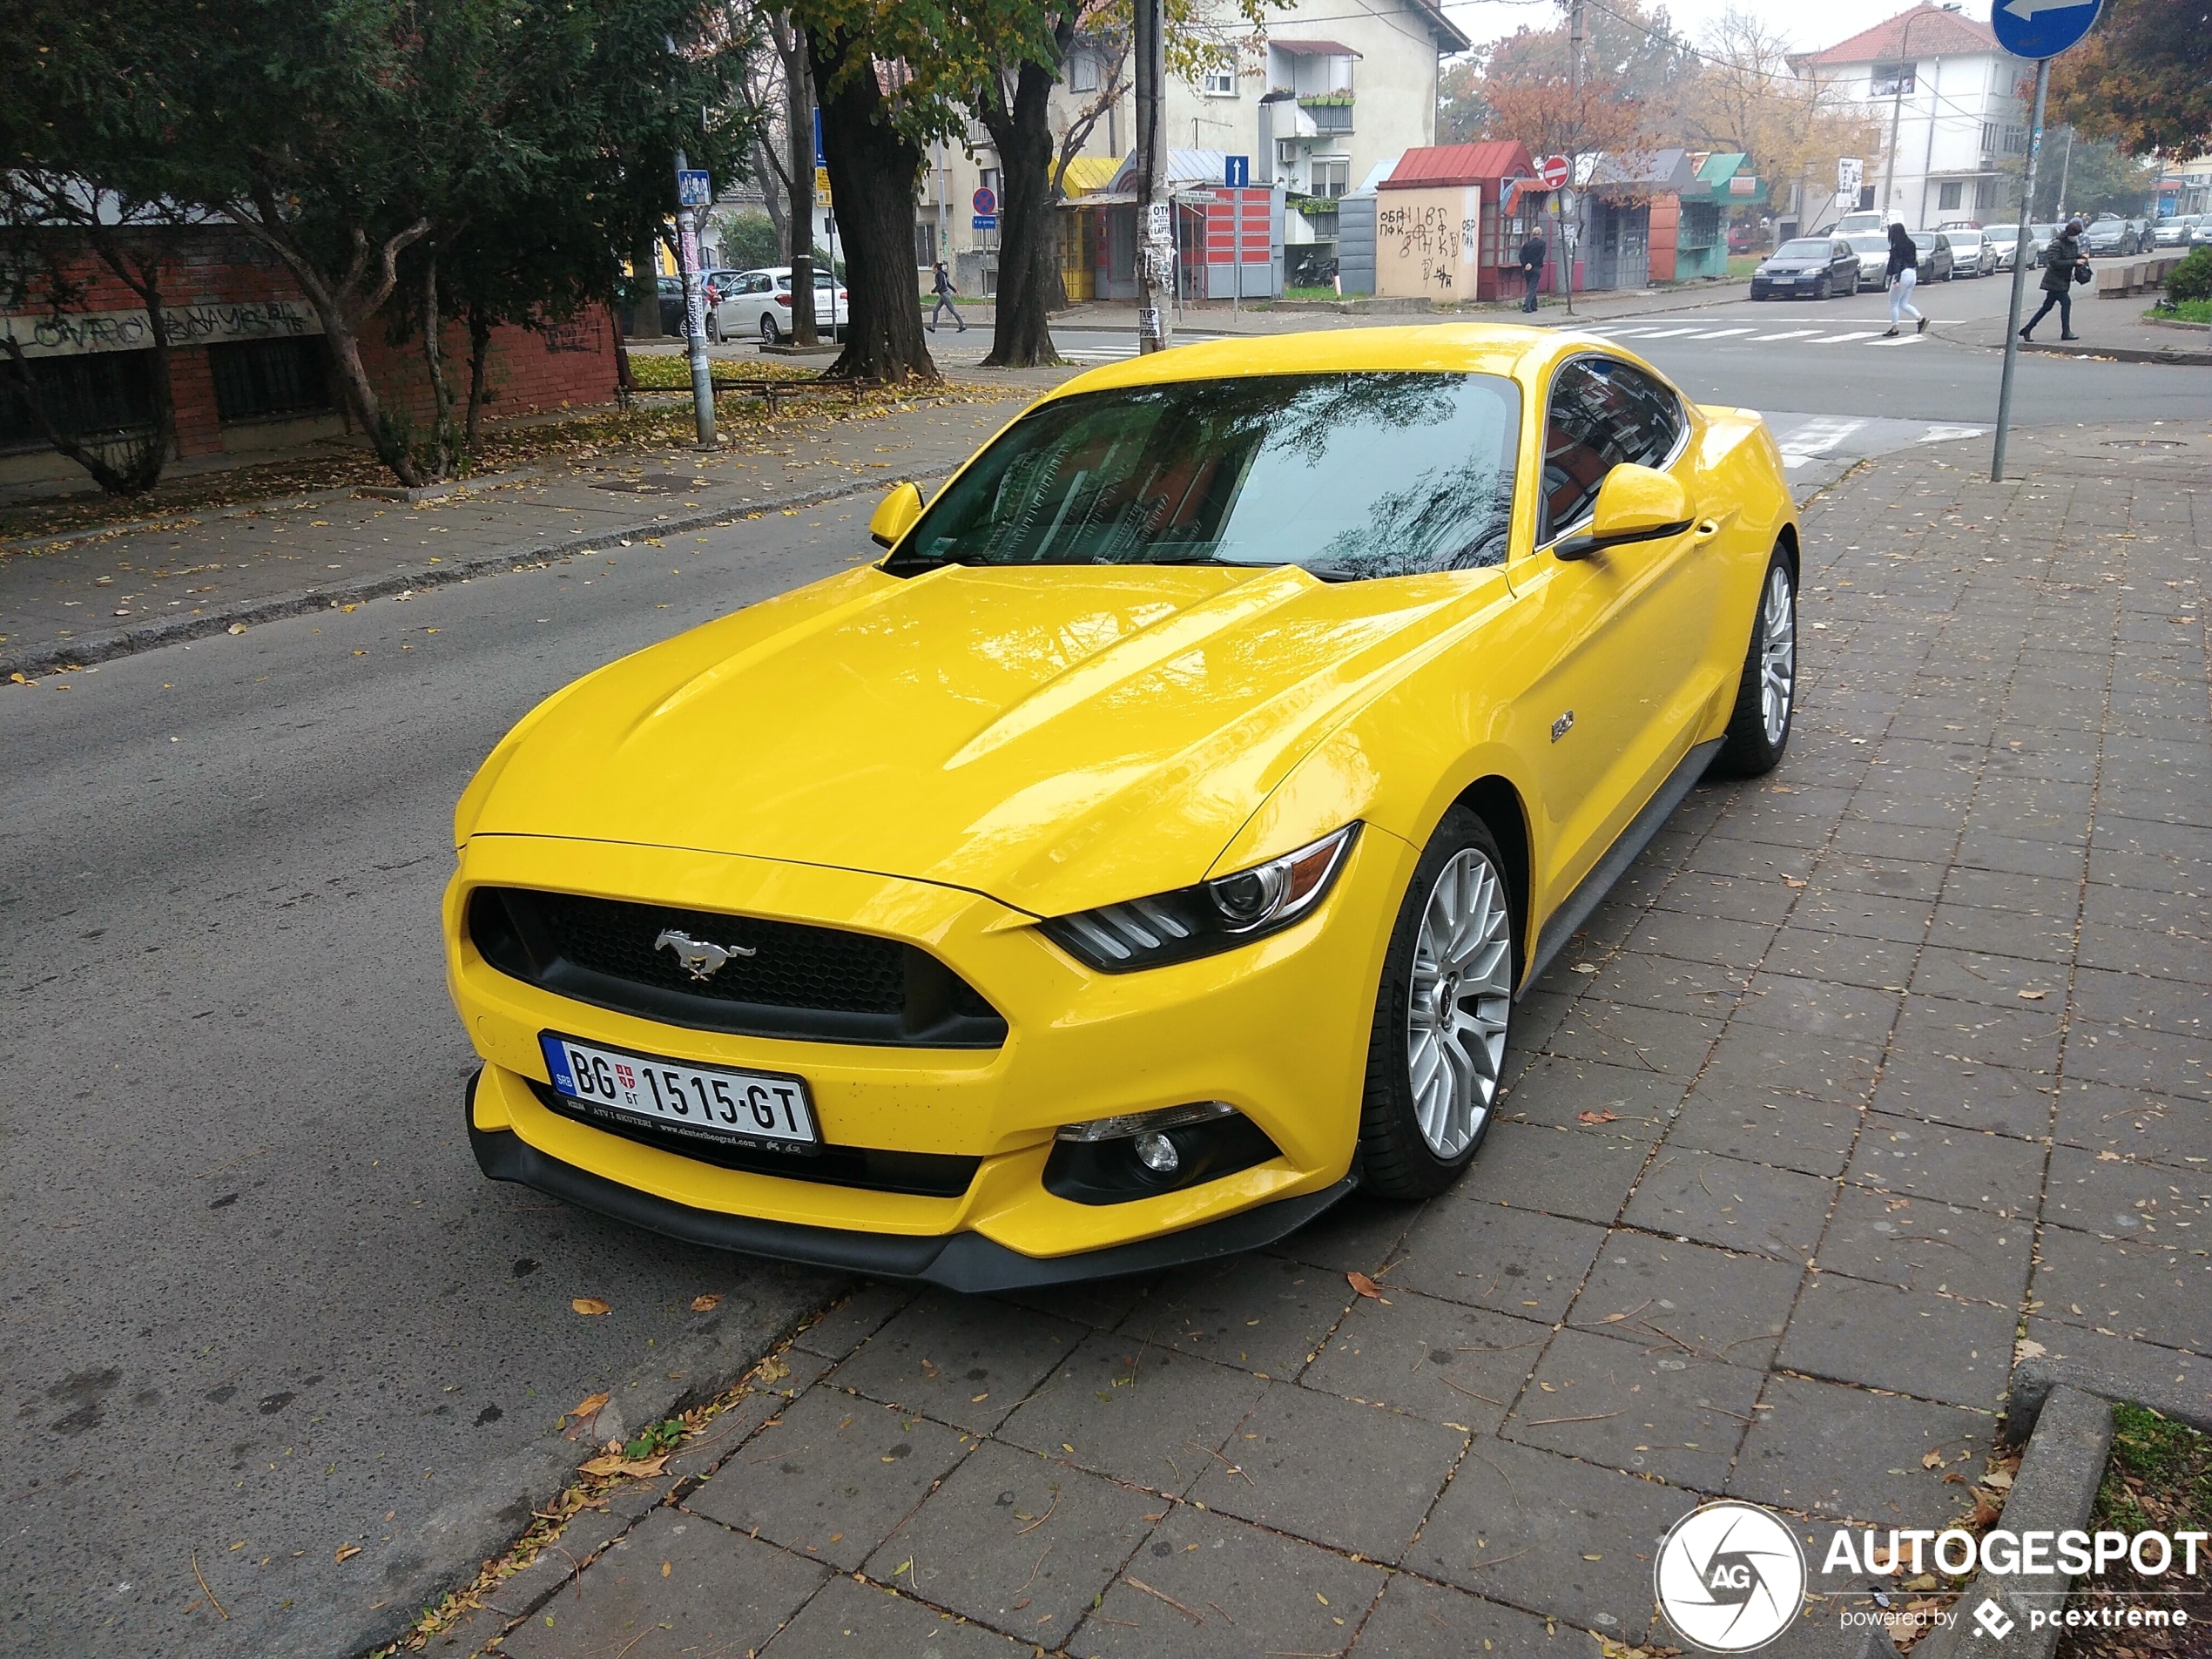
pixel 1869 244
pixel 1352 476
pixel 2004 233
pixel 1963 238
pixel 1804 248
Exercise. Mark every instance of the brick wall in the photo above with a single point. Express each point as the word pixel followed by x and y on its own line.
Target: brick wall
pixel 557 366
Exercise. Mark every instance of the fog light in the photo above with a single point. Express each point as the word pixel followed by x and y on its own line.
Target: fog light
pixel 1157 1153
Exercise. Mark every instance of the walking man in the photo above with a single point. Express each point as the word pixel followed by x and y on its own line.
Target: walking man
pixel 945 292
pixel 1532 265
pixel 2059 266
pixel 1905 273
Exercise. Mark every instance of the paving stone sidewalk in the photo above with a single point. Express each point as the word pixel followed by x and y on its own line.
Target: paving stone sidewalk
pixel 85 598
pixel 1867 1071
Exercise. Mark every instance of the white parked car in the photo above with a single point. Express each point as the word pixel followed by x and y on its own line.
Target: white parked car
pixel 759 304
pixel 1873 251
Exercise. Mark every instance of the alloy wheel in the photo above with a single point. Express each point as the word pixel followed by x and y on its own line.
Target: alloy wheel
pixel 1777 653
pixel 1461 1003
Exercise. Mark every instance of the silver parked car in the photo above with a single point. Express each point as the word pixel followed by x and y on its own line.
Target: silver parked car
pixel 2174 232
pixel 1873 251
pixel 2003 241
pixel 1972 253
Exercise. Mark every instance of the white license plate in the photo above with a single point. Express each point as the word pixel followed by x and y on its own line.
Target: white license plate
pixel 768 1110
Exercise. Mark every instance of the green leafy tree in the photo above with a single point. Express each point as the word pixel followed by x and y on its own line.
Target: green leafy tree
pixel 2143 78
pixel 750 239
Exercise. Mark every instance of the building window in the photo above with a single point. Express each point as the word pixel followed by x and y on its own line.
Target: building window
pixel 1331 175
pixel 1988 137
pixel 84 395
pixel 260 380
pixel 1220 83
pixel 1890 80
pixel 1984 193
pixel 2015 141
pixel 1948 196
pixel 1083 72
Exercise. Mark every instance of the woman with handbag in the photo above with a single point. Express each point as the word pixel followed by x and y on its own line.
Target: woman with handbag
pixel 2063 267
pixel 1905 272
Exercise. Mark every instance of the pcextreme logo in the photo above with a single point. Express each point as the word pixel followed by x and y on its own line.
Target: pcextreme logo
pixel 1730 1577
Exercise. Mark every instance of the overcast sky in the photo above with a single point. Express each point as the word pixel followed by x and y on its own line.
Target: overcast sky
pixel 1807 27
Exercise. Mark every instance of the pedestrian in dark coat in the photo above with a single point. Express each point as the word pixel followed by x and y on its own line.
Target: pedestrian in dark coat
pixel 1532 265
pixel 2058 266
pixel 1903 274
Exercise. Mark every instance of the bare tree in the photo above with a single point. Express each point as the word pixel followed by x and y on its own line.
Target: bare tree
pixel 1107 40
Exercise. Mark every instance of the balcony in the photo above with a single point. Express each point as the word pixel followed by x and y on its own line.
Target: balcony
pixel 1331 113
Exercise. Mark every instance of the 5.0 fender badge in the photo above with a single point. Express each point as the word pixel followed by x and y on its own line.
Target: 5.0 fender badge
pixel 1563 725
pixel 704 961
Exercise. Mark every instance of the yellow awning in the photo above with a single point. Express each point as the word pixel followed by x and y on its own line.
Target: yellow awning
pixel 1087 173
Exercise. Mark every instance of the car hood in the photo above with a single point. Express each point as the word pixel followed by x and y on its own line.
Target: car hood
pixel 1053 737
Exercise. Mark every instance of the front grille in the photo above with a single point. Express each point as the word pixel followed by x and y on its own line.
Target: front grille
pixel 819 984
pixel 928 1175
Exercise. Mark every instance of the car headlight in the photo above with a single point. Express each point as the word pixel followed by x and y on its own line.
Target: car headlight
pixel 1207 918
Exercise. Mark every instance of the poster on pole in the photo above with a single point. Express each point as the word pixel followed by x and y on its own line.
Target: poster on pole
pixel 1850 177
pixel 694 189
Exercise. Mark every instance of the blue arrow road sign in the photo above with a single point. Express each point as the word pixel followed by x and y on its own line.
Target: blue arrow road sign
pixel 2042 28
pixel 1236 172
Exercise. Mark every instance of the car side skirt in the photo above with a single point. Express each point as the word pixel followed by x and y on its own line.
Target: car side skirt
pixel 1632 840
pixel 965 1262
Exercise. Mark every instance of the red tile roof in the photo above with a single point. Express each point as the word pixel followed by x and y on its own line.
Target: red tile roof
pixel 1444 164
pixel 1934 32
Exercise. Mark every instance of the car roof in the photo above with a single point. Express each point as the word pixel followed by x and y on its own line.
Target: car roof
pixel 1478 348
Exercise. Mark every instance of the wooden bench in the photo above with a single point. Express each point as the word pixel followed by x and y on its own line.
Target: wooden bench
pixel 772 392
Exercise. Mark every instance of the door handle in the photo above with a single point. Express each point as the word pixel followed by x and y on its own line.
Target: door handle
pixel 1707 528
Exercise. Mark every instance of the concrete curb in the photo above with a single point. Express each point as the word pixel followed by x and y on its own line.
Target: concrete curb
pixel 274 607
pixel 1952 334
pixel 2036 1382
pixel 2055 1490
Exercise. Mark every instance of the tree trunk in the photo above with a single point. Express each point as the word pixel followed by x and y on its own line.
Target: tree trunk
pixel 799 125
pixel 644 322
pixel 1029 251
pixel 872 168
pixel 140 467
pixel 479 361
pixel 437 452
pixel 625 382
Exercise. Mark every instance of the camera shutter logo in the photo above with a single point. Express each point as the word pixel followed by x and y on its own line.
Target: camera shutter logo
pixel 1730 1577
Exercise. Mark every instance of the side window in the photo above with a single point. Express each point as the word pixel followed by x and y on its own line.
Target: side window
pixel 1602 413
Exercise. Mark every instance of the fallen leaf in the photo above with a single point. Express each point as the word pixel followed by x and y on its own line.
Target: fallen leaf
pixel 2029 996
pixel 2001 1480
pixel 589 1404
pixel 1793 881
pixel 235 627
pixel 707 1303
pixel 1926 1582
pixel 1597 1118
pixel 17 679
pixel 1931 1459
pixel 666 1568
pixel 1361 1283
pixel 1585 968
pixel 590 1307
pixel 643 1468
pixel 772 1369
pixel 2110 1158
pixel 2027 1348
pixel 346 1552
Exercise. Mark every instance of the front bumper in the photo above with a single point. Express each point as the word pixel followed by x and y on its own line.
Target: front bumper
pixel 967 1262
pixel 1277 1029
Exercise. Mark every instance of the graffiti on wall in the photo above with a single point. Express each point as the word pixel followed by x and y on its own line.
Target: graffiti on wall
pixel 212 324
pixel 571 336
pixel 1426 240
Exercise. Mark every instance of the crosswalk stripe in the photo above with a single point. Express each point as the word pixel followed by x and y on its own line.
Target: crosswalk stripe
pixel 1794 333
pixel 1720 334
pixel 1837 339
pixel 1668 333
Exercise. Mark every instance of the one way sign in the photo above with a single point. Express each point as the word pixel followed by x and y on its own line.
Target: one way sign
pixel 2042 28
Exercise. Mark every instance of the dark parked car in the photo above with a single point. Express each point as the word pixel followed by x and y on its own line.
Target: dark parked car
pixel 2109 235
pixel 1936 263
pixel 1818 266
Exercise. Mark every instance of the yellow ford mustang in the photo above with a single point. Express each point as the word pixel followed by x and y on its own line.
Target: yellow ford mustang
pixel 1152 845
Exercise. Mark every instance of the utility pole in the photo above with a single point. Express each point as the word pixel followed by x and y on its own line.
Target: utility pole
pixel 2022 250
pixel 687 260
pixel 2066 164
pixel 1569 226
pixel 1897 110
pixel 1155 210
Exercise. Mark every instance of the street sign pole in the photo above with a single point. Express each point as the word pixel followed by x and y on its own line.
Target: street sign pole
pixel 1156 211
pixel 688 214
pixel 2022 243
pixel 2040 30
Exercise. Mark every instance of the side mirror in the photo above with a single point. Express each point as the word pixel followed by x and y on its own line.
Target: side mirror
pixel 1633 504
pixel 894 515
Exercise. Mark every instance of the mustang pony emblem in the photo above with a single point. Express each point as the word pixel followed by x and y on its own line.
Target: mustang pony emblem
pixel 703 960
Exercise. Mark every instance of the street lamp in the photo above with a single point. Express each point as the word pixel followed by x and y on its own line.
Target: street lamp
pixel 1897 107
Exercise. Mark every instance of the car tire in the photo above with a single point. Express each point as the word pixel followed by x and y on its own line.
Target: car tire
pixel 770 335
pixel 1766 695
pixel 1820 289
pixel 1460 915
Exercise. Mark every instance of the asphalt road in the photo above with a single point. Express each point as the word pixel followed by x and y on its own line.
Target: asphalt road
pixel 260 1306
